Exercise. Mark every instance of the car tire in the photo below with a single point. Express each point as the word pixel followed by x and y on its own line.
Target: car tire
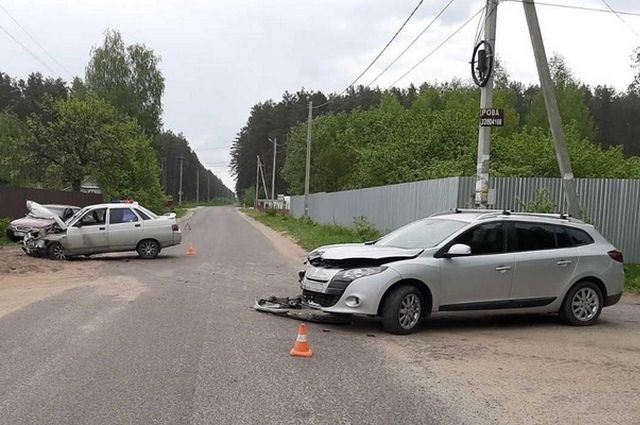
pixel 55 251
pixel 148 249
pixel 583 304
pixel 402 310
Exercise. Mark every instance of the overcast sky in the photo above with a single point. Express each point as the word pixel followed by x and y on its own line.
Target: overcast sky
pixel 220 57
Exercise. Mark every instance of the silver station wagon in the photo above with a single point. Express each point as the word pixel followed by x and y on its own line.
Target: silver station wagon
pixel 102 228
pixel 469 260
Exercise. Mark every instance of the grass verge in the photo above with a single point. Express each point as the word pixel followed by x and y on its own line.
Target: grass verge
pixel 632 278
pixel 309 234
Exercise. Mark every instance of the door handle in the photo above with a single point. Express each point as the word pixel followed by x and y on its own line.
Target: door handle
pixel 101 228
pixel 564 262
pixel 137 225
pixel 503 268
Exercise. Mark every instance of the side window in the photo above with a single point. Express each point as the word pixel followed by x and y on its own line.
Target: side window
pixel 563 238
pixel 121 215
pixel 484 239
pixel 142 214
pixel 578 237
pixel 534 236
pixel 94 217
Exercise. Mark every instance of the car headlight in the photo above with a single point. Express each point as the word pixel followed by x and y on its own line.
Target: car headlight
pixel 353 274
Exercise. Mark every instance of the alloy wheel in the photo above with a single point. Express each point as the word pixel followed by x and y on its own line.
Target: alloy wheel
pixel 148 249
pixel 409 312
pixel 585 304
pixel 57 251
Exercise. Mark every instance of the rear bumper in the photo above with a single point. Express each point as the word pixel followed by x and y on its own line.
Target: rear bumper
pixel 612 299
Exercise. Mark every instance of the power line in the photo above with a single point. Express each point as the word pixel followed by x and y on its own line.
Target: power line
pixel 35 41
pixel 621 18
pixel 437 47
pixel 585 8
pixel 378 56
pixel 412 43
pixel 33 55
pixel 479 27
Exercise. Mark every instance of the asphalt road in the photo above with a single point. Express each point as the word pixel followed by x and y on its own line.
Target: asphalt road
pixel 173 341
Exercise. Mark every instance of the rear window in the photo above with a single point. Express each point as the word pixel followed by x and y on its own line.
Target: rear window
pixel 577 237
pixel 142 214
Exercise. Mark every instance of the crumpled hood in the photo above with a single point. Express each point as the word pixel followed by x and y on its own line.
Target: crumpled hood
pixel 32 222
pixel 42 212
pixel 347 251
pixel 358 255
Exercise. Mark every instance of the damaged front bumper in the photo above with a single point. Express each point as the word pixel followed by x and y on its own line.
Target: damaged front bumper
pixel 359 296
pixel 295 308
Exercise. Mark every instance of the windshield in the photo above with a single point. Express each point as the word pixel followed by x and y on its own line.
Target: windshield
pixel 421 234
pixel 77 214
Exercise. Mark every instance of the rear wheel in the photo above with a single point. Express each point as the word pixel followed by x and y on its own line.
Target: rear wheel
pixel 55 251
pixel 583 304
pixel 402 310
pixel 148 249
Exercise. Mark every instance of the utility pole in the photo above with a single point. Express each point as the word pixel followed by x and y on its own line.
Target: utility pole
pixel 551 105
pixel 181 158
pixel 308 163
pixel 255 202
pixel 264 182
pixel 486 101
pixel 273 173
pixel 197 185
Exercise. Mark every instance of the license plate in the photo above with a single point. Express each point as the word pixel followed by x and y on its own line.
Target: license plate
pixel 19 234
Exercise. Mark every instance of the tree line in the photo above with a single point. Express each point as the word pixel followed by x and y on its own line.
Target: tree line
pixel 370 137
pixel 106 128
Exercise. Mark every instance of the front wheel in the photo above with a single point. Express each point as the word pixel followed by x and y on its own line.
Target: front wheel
pixel 582 305
pixel 55 251
pixel 148 249
pixel 402 310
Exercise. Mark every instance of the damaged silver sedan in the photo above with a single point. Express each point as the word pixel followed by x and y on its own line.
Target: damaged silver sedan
pixel 97 229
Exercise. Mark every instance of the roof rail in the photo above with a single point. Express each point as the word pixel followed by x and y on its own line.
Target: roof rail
pixel 559 216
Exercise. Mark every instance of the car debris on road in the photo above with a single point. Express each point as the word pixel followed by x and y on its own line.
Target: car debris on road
pixel 294 308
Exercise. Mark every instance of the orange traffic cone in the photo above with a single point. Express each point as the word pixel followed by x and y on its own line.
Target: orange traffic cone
pixel 191 251
pixel 301 348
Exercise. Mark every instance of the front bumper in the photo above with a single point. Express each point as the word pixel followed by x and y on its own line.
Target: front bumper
pixel 361 296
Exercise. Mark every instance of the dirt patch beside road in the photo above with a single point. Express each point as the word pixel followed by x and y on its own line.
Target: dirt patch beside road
pixel 533 369
pixel 25 280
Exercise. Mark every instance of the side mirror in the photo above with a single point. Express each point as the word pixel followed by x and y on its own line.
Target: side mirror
pixel 458 250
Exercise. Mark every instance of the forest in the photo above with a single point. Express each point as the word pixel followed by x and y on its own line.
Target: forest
pixel 106 128
pixel 369 137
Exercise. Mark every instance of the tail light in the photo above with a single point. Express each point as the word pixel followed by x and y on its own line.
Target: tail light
pixel 175 228
pixel 616 255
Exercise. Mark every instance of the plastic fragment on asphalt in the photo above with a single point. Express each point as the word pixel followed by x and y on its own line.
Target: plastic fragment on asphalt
pixel 294 309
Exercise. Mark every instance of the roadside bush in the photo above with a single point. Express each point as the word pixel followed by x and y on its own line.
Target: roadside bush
pixel 271 212
pixel 365 230
pixel 541 203
pixel 4 224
